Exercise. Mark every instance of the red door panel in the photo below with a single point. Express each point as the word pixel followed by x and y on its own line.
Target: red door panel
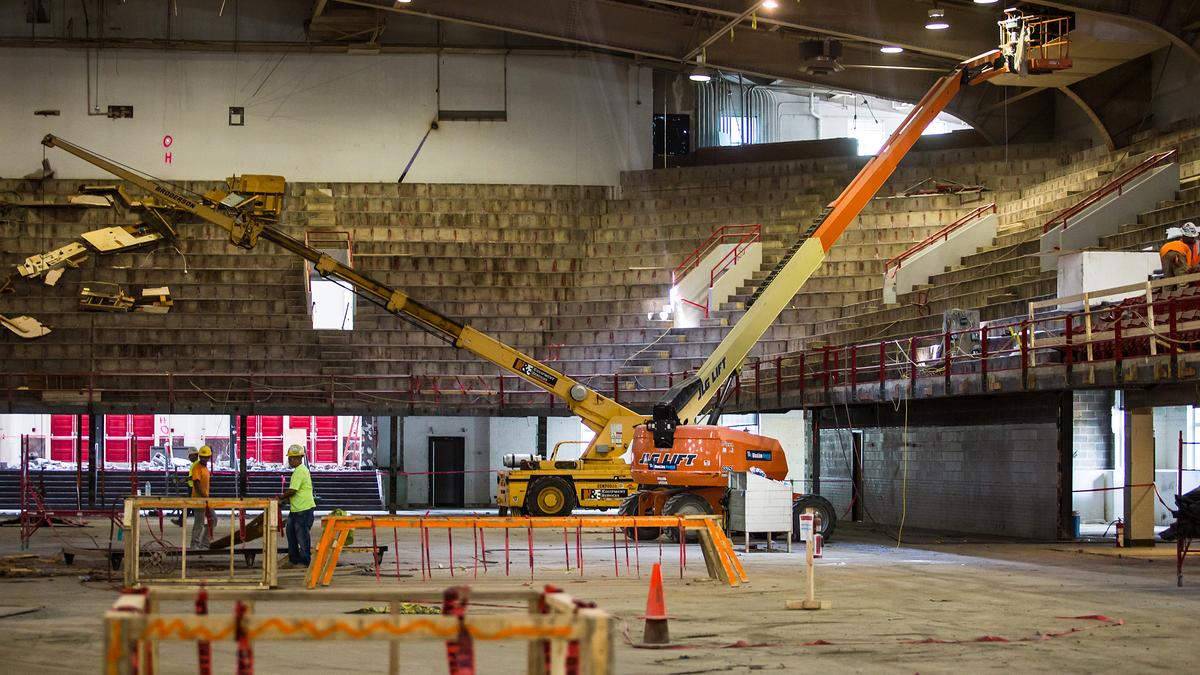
pixel 62 438
pixel 143 431
pixel 116 438
pixel 325 440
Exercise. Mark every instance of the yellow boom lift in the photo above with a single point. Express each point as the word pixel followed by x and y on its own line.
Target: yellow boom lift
pixel 249 211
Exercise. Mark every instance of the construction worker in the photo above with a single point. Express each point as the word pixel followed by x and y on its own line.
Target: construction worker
pixel 200 480
pixel 302 506
pixel 1179 256
pixel 193 454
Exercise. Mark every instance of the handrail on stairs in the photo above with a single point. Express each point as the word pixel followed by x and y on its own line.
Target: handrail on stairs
pixel 941 235
pixel 741 235
pixel 1116 185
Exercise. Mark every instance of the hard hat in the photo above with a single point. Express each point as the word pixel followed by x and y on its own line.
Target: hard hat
pixel 1174 232
pixel 1190 229
pixel 192 451
pixel 204 451
pixel 295 450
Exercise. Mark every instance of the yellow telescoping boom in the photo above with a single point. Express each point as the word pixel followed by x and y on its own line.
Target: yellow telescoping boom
pixel 612 422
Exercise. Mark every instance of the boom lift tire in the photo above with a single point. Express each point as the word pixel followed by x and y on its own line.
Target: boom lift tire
pixel 685 504
pixel 629 507
pixel 826 516
pixel 550 496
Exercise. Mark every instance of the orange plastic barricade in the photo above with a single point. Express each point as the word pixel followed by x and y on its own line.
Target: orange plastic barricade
pixel 719 557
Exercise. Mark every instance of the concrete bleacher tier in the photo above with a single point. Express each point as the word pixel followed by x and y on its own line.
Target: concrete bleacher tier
pixel 572 275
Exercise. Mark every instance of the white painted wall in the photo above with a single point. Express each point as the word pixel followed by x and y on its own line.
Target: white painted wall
pixel 791 430
pixel 475 431
pixel 1105 216
pixel 571 119
pixel 1091 271
pixel 935 258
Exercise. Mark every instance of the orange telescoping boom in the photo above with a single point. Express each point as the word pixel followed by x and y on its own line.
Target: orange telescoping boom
pixel 679 464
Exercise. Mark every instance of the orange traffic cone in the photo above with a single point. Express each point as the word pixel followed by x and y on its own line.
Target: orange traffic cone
pixel 656 632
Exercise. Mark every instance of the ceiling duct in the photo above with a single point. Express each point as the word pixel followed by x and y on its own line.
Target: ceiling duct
pixel 821 57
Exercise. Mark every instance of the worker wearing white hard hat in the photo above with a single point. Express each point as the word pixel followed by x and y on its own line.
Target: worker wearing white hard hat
pixel 1182 255
pixel 302 507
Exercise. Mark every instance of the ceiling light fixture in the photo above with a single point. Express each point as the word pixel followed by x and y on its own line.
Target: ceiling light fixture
pixel 937 19
pixel 772 4
pixel 891 49
pixel 700 74
pixel 986 2
pixel 405 2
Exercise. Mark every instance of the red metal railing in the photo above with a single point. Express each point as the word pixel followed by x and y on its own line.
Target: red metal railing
pixel 879 370
pixel 941 235
pixel 741 236
pixel 1116 185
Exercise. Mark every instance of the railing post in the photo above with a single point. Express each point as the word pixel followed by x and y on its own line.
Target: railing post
pixel 779 381
pixel 825 369
pixel 912 366
pixel 853 356
pixel 1024 355
pixel 1069 356
pixel 737 388
pixel 1118 351
pixel 802 377
pixel 947 362
pixel 499 390
pixel 171 391
pixel 983 359
pixel 882 369
pixel 1174 338
pixel 757 387
pixel 617 387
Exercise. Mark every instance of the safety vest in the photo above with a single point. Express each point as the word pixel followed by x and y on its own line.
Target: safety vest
pixel 1177 246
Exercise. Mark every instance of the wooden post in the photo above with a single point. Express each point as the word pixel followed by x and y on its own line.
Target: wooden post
pixel 393 645
pixel 131 547
pixel 535 664
pixel 810 601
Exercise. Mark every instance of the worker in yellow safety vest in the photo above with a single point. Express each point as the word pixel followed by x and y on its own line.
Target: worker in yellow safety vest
pixel 302 506
pixel 193 455
pixel 1180 256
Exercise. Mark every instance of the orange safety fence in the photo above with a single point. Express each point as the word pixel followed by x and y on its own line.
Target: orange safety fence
pixel 719 558
pixel 564 634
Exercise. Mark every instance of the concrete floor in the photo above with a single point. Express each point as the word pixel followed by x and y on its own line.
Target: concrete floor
pixel 885 600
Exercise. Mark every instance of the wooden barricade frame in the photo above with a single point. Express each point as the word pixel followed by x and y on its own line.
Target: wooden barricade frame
pixel 132 535
pixel 556 625
pixel 719 557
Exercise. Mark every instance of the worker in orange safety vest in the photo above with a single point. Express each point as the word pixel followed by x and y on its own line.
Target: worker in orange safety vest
pixel 1180 256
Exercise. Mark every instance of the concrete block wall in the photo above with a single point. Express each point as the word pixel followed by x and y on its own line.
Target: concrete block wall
pixel 996 478
pixel 1092 434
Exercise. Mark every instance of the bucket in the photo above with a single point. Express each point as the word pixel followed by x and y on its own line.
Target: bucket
pixel 1075 522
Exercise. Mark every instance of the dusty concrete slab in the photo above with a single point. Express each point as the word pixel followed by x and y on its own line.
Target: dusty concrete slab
pixel 939 606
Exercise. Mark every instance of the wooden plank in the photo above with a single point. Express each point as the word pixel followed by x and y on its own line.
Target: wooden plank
pixel 716 568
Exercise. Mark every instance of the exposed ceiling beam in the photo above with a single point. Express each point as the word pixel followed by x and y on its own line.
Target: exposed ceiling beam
pixel 863 21
pixel 729 26
pixel 496 25
pixel 318 8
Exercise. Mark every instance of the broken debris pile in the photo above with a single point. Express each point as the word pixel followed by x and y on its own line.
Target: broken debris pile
pixel 1187 516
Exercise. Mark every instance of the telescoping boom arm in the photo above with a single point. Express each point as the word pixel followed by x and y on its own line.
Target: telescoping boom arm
pixel 612 422
pixel 684 402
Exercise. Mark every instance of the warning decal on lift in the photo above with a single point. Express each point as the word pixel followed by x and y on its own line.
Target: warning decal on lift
pixel 533 371
pixel 761 455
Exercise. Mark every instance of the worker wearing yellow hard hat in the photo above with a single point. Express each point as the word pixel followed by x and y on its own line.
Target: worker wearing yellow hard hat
pixel 200 479
pixel 302 507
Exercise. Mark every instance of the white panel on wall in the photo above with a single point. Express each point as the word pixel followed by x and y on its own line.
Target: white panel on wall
pixel 472 82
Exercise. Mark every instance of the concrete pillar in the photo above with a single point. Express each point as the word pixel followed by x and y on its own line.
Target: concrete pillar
pixel 1066 463
pixel 389 455
pixel 1139 470
pixel 95 454
pixel 242 450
